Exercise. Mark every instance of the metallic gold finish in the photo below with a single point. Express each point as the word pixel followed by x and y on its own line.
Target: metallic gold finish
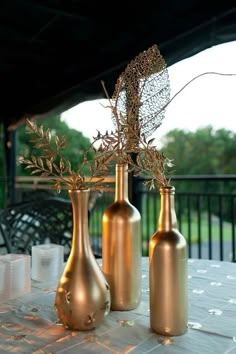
pixel 168 272
pixel 141 94
pixel 83 295
pixel 121 246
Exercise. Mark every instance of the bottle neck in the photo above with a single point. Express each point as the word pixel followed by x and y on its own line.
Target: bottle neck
pixel 121 188
pixel 80 237
pixel 167 217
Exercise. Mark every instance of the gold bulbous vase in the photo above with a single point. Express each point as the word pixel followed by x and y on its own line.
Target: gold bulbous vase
pixel 83 294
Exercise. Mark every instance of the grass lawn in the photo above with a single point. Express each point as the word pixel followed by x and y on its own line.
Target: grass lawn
pixel 203 233
pixel 150 214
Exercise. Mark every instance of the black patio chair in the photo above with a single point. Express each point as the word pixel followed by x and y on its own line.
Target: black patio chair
pixel 36 222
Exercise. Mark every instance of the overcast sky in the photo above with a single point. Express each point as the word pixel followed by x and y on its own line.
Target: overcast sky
pixel 209 100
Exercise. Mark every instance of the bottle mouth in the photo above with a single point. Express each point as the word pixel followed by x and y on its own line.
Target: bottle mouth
pixel 122 166
pixel 167 189
pixel 81 190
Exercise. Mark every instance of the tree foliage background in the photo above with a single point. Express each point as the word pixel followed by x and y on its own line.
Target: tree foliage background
pixel 204 152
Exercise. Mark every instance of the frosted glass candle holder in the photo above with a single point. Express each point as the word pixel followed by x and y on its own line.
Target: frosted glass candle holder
pixel 15 276
pixel 4 286
pixel 47 261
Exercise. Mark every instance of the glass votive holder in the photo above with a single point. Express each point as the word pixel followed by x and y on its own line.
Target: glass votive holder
pixel 47 261
pixel 4 286
pixel 15 276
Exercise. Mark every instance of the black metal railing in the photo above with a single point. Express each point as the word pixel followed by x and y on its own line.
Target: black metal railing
pixel 205 207
pixel 206 219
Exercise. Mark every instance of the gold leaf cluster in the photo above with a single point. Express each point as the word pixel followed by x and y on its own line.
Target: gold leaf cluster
pixel 142 93
pixel 51 161
pixel 137 107
pixel 142 159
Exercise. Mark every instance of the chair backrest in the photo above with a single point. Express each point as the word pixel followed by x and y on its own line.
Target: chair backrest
pixel 37 222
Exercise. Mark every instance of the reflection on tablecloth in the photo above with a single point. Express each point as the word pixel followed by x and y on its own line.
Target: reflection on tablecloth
pixel 29 324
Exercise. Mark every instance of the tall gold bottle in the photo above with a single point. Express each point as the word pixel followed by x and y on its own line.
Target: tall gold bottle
pixel 168 272
pixel 83 296
pixel 121 246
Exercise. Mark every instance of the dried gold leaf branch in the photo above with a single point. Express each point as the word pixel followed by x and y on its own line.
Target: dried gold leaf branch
pixel 138 105
pixel 53 163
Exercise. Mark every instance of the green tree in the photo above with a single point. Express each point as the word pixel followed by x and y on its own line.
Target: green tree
pixel 203 152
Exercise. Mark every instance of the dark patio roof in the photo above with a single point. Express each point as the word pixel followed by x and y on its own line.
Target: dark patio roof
pixel 55 53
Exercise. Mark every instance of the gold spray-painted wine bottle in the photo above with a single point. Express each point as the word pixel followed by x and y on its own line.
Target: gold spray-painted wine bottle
pixel 168 272
pixel 121 246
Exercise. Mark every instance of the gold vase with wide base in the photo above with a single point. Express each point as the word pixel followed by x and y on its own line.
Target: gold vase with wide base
pixel 121 246
pixel 83 296
pixel 168 272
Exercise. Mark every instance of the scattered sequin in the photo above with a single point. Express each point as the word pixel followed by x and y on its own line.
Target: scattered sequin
pixel 201 271
pixel 91 338
pixel 49 290
pixel 191 261
pixel 19 337
pixel 11 326
pixel 144 275
pixel 34 309
pixel 234 339
pixel 166 340
pixel 28 308
pixel 189 276
pixel 215 312
pixel 215 265
pixel 4 309
pixel 215 283
pixel 31 317
pixel 198 291
pixel 145 290
pixel 230 277
pixel 126 323
pixel 232 301
pixel 194 325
